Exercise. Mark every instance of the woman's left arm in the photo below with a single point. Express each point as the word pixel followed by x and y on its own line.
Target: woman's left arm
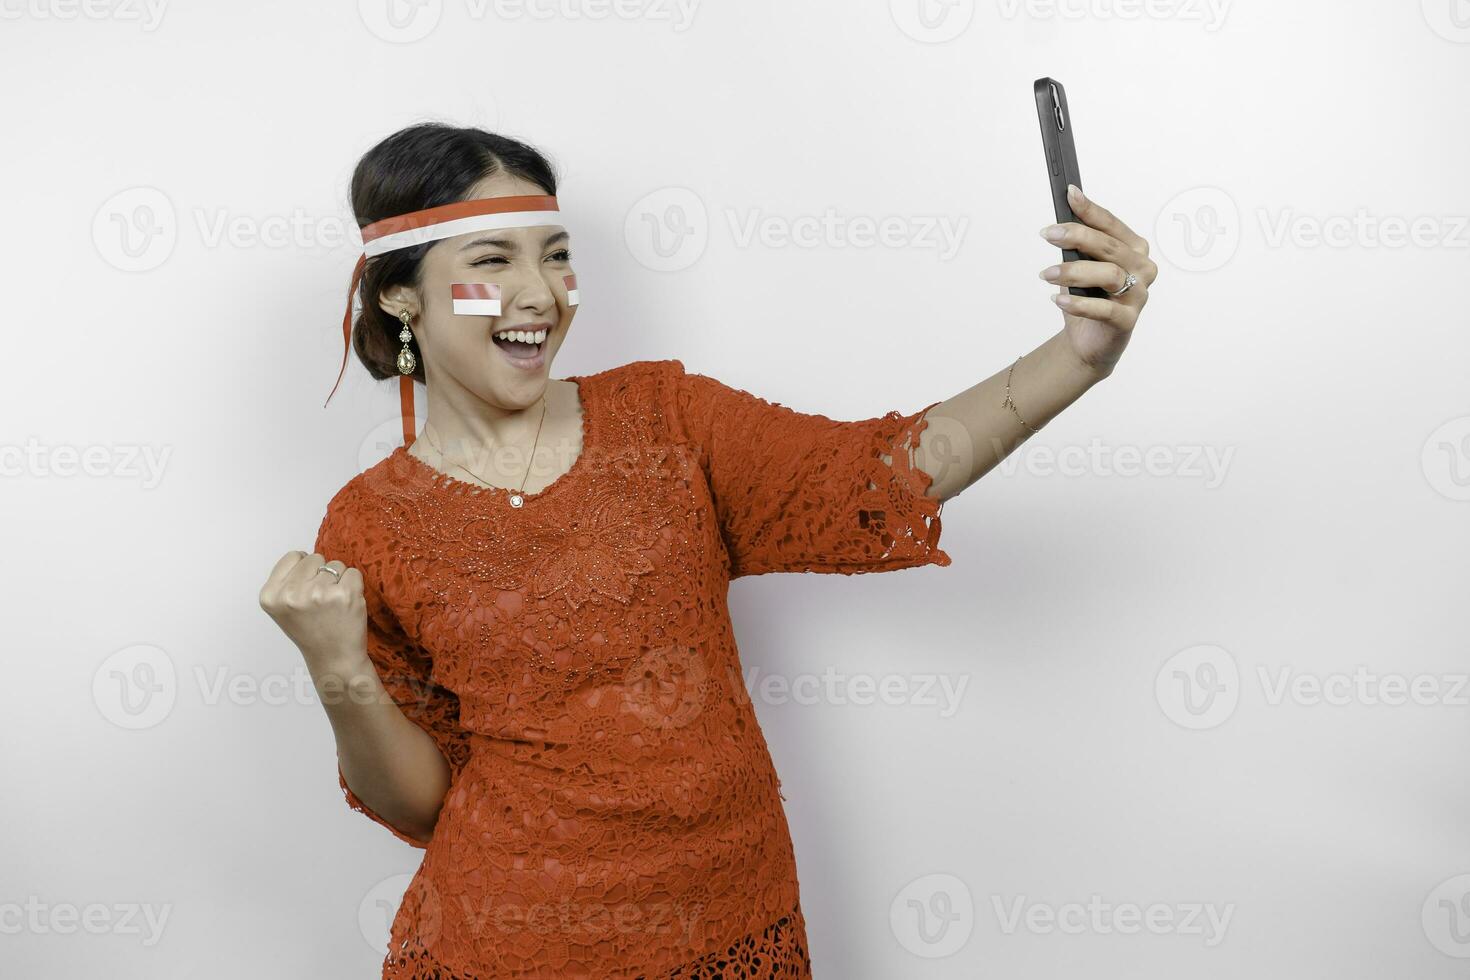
pixel 970 433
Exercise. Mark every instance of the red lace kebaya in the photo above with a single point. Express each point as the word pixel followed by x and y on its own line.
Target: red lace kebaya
pixel 614 811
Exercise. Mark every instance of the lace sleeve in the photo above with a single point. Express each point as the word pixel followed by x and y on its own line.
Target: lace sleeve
pixel 803 493
pixel 404 668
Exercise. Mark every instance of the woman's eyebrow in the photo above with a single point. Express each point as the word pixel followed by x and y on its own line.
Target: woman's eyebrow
pixel 510 246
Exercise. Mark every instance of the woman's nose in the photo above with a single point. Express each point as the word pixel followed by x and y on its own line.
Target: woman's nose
pixel 530 291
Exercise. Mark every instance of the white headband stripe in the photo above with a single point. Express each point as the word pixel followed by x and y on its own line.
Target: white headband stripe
pixel 460 226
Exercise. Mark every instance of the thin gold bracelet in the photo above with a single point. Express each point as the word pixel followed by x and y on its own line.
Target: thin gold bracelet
pixel 1011 402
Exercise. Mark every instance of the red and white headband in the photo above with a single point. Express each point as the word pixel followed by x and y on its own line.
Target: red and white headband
pixel 429 225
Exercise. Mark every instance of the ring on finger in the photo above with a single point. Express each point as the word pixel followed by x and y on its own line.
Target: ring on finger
pixel 1128 283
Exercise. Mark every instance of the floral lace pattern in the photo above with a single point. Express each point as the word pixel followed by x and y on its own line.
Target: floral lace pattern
pixel 613 809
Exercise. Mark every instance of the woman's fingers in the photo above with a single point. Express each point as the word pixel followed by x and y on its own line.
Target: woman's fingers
pixel 1089 212
pixel 1103 247
pixel 1112 311
pixel 1106 275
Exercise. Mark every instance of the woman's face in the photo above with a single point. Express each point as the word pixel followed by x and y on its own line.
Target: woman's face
pixel 528 264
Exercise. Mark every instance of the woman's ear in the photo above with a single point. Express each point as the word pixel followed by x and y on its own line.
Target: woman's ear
pixel 397 298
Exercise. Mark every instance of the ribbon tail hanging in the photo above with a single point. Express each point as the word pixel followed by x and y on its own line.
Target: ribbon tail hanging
pixel 347 322
pixel 405 402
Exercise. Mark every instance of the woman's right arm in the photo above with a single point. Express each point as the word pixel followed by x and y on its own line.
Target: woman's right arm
pixel 392 765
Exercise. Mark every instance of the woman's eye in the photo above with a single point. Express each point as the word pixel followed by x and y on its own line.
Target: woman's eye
pixel 561 255
pixel 489 259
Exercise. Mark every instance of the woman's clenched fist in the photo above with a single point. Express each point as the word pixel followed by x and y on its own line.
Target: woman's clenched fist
pixel 324 614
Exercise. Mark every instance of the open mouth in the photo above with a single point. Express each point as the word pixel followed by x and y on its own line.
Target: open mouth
pixel 524 343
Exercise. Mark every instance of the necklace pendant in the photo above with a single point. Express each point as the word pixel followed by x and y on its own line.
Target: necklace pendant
pixel 516 500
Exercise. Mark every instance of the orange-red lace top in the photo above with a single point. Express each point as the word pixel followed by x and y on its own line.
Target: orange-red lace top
pixel 613 810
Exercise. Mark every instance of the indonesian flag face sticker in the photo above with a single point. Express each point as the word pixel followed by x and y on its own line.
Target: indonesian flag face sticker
pixel 571 283
pixel 475 298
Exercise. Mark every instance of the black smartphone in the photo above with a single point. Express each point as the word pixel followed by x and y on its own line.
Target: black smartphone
pixel 1061 160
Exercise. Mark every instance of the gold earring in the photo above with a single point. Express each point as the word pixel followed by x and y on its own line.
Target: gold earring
pixel 406 361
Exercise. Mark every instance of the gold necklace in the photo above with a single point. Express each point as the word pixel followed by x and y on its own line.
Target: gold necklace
pixel 517 499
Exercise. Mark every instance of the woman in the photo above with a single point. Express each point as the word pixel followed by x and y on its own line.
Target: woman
pixel 542 687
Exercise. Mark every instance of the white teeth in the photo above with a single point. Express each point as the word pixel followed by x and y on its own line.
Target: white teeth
pixel 524 336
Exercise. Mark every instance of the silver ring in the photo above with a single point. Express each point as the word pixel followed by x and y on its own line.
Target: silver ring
pixel 1129 282
pixel 336 575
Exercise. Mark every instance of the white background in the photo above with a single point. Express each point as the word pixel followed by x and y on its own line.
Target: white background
pixel 1271 152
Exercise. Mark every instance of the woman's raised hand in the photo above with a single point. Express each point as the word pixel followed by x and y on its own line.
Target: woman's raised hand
pixel 1099 327
pixel 325 615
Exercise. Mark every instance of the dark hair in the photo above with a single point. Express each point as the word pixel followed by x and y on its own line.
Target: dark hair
pixel 422 166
